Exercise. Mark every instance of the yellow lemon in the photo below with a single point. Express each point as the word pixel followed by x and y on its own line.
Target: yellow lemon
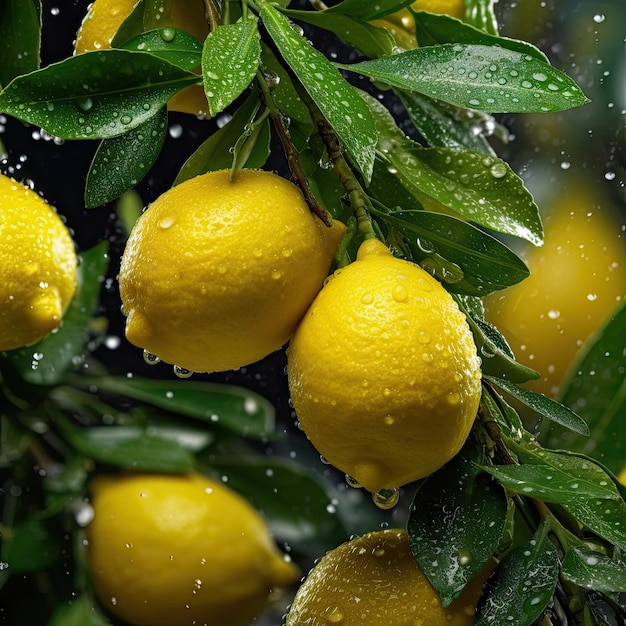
pixel 170 550
pixel 576 280
pixel 374 580
pixel 622 476
pixel 104 17
pixel 217 273
pixel 37 266
pixel 383 371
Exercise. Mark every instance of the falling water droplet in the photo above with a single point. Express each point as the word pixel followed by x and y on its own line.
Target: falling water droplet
pixel 150 359
pixel 353 482
pixel 386 498
pixel 181 372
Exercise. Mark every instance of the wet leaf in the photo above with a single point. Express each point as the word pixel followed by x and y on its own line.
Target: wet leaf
pixel 216 153
pixel 455 524
pixel 174 45
pixel 485 264
pixel 369 10
pixel 489 78
pixel 593 570
pixel 230 60
pixel 292 499
pixel 128 447
pixel 369 40
pixel 548 408
pixel 29 546
pixel 444 125
pixel 236 409
pixel 131 27
pixel 480 187
pixel 20 38
pixel 496 354
pixel 121 162
pixel 49 360
pixel 434 29
pixel 481 14
pixel 606 518
pixel 95 95
pixel 337 100
pixel 596 390
pixel 83 611
pixel 521 586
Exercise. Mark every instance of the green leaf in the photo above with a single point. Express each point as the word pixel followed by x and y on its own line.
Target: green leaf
pixel 606 518
pixel 49 360
pixel 521 586
pixel 480 263
pixel 291 498
pixel 122 161
pixel 369 40
pixel 476 76
pixel 29 546
pixel 131 27
pixel 20 38
pixel 444 125
pixel 543 405
pixel 236 409
pixel 474 507
pixel 337 100
pixel 216 153
pixel 127 447
pixel 230 60
pixel 369 10
pixel 596 389
pixel 479 187
pixel 497 358
pixel 95 95
pixel 481 14
pixel 174 45
pixel 83 611
pixel 434 29
pixel 592 570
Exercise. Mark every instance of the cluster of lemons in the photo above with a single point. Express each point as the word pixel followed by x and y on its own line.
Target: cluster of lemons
pixel 219 272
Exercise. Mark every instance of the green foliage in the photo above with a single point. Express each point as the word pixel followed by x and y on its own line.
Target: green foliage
pixel 438 195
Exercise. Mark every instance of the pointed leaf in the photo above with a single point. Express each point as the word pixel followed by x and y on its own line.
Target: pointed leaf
pixel 49 360
pixel 230 60
pixel 480 262
pixel 596 389
pixel 434 29
pixel 474 508
pixel 476 76
pixel 480 187
pixel 337 100
pixel 543 405
pixel 369 10
pixel 521 586
pixel 121 162
pixel 95 95
pixel 174 45
pixel 606 518
pixel 239 410
pixel 20 38
pixel 593 570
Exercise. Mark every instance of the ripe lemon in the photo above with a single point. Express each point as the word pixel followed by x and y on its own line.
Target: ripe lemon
pixel 401 24
pixel 374 580
pixel 622 476
pixel 37 266
pixel 383 371
pixel 174 550
pixel 217 273
pixel 104 17
pixel 576 280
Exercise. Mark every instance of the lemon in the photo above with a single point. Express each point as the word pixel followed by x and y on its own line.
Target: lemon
pixel 37 266
pixel 622 476
pixel 169 550
pixel 374 580
pixel 104 17
pixel 576 280
pixel 216 273
pixel 383 371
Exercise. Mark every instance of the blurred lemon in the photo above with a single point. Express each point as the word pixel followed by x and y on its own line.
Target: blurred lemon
pixel 217 273
pixel 173 550
pixel 577 278
pixel 37 266
pixel 374 580
pixel 383 371
pixel 104 17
